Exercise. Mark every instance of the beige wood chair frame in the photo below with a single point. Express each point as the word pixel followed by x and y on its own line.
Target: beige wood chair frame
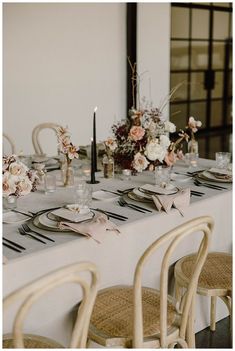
pixel 182 330
pixel 35 135
pixel 214 289
pixel 33 291
pixel 10 141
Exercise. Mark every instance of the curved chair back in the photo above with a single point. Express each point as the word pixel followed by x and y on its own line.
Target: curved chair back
pixel 10 142
pixel 35 135
pixel 33 291
pixel 197 226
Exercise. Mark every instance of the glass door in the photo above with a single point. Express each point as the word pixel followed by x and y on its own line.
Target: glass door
pixel 201 59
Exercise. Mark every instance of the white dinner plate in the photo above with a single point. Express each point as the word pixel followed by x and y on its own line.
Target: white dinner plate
pixel 169 190
pixel 10 217
pixel 42 221
pixel 104 196
pixel 139 196
pixel 180 177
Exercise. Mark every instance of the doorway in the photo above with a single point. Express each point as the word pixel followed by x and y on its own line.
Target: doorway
pixel 201 59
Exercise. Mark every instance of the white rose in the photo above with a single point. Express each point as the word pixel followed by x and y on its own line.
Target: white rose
pixel 155 151
pixel 140 162
pixel 169 127
pixel 17 169
pixel 24 186
pixel 164 141
pixel 8 184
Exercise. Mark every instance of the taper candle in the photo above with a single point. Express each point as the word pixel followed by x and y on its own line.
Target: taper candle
pixel 94 138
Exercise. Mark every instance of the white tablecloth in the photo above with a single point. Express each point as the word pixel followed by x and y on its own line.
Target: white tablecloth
pixel 116 256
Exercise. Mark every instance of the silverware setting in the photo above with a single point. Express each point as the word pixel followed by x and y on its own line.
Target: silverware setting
pixel 22 232
pixel 11 247
pixel 110 191
pixel 208 185
pixel 23 213
pixel 27 229
pixel 15 244
pixel 123 203
pixel 139 207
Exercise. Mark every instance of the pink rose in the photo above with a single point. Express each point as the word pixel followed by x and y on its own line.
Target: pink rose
pixel 136 133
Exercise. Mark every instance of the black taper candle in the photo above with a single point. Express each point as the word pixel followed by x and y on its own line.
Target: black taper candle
pixel 94 138
pixel 92 181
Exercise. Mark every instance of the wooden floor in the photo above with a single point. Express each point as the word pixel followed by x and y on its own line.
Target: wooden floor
pixel 219 339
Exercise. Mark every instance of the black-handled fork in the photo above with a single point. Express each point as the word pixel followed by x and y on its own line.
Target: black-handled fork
pixel 130 206
pixel 136 206
pixel 27 229
pixel 22 232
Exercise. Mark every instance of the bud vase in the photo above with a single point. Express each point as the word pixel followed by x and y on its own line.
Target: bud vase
pixel 67 175
pixel 108 165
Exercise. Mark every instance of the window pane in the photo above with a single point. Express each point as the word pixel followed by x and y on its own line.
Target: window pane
pixel 215 145
pixel 179 55
pixel 218 55
pixel 217 92
pixel 179 22
pixel 198 111
pixel 181 92
pixel 216 113
pixel 197 86
pixel 199 59
pixel 200 24
pixel 221 25
pixel 178 115
pixel 202 147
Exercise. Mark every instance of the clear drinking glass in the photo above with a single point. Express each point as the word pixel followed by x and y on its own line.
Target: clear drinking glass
pixel 83 195
pixel 49 183
pixel 191 159
pixel 162 176
pixel 222 159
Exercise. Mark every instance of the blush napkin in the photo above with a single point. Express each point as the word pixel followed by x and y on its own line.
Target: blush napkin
pixel 97 225
pixel 180 201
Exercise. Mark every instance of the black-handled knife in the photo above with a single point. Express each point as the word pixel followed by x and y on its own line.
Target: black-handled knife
pixel 15 244
pixel 11 247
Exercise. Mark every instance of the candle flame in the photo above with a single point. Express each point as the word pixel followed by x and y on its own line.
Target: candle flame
pixel 95 109
pixel 91 139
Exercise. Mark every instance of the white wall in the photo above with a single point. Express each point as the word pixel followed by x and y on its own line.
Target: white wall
pixel 59 62
pixel 153 48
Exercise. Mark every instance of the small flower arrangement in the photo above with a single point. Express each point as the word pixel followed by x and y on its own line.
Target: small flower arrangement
pixel 66 148
pixel 110 145
pixel 17 178
pixel 193 126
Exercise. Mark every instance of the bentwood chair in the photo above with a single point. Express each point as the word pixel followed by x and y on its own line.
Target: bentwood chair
pixel 35 135
pixel 10 143
pixel 215 280
pixel 142 317
pixel 31 293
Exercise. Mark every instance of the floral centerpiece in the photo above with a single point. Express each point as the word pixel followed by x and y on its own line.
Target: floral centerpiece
pixel 142 140
pixel 17 178
pixel 68 149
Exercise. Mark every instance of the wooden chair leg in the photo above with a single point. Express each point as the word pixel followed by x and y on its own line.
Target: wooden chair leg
pixel 190 334
pixel 213 313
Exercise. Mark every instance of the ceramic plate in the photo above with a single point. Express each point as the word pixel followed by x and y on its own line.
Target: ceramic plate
pixel 102 195
pixel 10 217
pixel 205 175
pixel 179 177
pixel 149 188
pixel 140 198
pixel 73 216
pixel 42 221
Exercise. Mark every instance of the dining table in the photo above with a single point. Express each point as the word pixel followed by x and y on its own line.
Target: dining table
pixel 117 254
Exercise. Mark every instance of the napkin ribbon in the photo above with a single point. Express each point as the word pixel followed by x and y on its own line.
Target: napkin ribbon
pixel 97 225
pixel 180 201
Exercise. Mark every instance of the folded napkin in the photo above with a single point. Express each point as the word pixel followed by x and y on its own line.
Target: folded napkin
pixel 180 201
pixel 97 225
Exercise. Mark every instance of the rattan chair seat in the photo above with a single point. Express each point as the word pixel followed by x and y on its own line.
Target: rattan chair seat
pixel 113 312
pixel 216 273
pixel 32 342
